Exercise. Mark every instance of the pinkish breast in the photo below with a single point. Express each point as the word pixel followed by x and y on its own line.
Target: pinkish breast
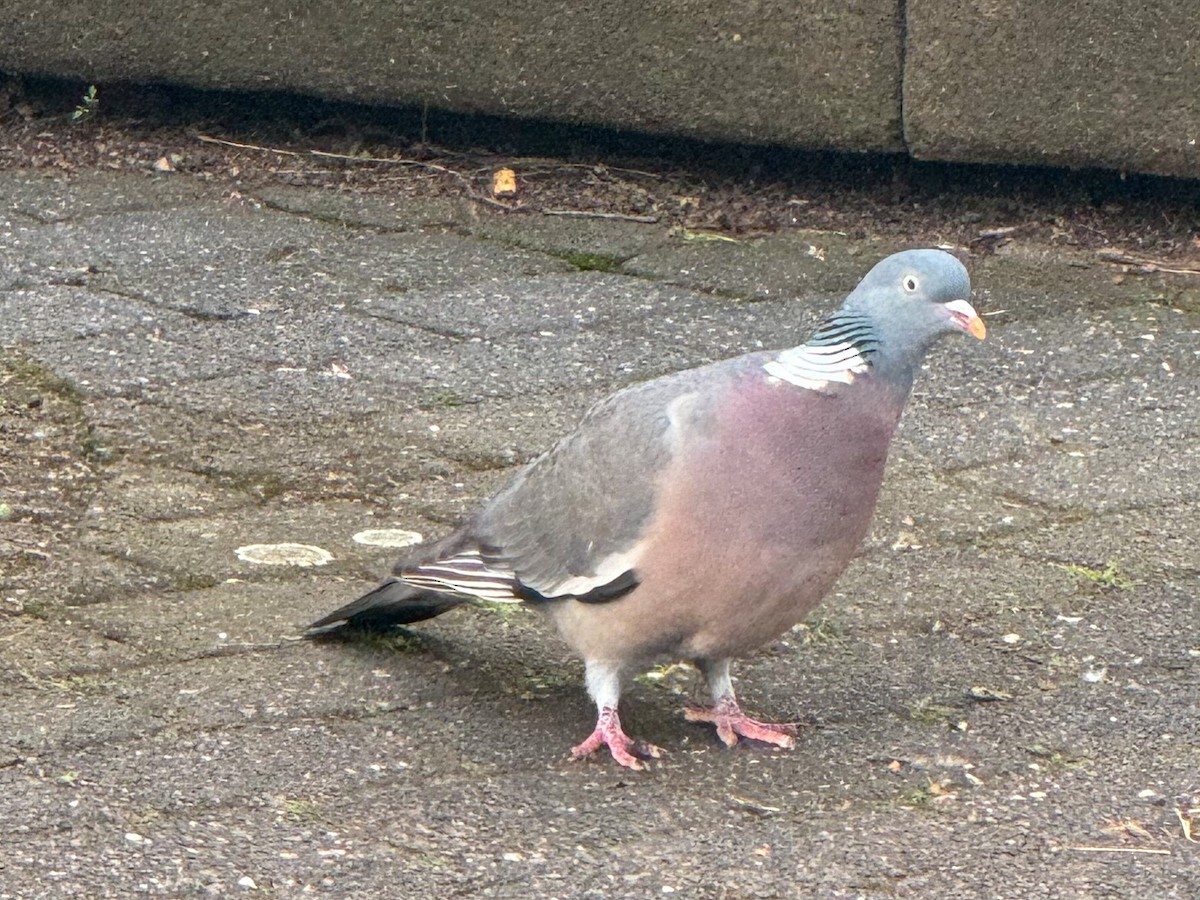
pixel 760 516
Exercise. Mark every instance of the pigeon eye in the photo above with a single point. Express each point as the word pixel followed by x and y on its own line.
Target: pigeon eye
pixel 911 284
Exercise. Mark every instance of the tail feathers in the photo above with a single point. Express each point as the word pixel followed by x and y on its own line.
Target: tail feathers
pixel 392 603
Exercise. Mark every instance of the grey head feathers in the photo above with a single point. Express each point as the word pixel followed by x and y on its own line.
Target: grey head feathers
pixel 886 324
pixel 905 303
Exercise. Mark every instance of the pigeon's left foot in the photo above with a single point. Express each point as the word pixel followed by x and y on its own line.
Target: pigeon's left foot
pixel 624 749
pixel 732 723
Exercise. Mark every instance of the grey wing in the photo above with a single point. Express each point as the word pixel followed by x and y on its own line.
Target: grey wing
pixel 573 522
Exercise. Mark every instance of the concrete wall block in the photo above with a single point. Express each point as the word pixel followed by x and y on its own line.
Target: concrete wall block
pixel 1077 83
pixel 808 73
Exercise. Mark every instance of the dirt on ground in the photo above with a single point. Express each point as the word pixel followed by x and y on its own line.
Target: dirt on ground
pixel 247 141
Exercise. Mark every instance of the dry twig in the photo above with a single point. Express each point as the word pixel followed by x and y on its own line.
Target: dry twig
pixel 209 139
pixel 1120 257
pixel 442 170
pixel 588 214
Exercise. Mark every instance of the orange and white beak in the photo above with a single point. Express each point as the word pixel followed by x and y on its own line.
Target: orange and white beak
pixel 964 318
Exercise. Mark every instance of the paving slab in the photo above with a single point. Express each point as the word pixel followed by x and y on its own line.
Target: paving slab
pixel 998 699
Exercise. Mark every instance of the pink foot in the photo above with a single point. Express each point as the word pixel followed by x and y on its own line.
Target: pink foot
pixel 624 749
pixel 732 722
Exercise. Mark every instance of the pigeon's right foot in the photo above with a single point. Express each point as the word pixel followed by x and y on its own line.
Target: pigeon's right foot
pixel 732 723
pixel 624 749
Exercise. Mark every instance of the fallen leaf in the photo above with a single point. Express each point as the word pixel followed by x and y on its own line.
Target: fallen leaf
pixel 753 806
pixel 906 540
pixel 504 183
pixel 1187 824
pixel 689 235
pixel 1127 826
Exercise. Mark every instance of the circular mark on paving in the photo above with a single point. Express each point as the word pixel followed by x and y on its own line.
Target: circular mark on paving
pixel 284 555
pixel 388 537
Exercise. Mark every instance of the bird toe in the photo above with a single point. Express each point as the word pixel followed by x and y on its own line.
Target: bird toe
pixel 731 723
pixel 625 751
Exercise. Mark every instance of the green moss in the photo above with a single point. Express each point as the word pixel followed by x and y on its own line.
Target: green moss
pixel 1056 760
pixel 94 450
pixel 1110 576
pixel 31 384
pixel 480 461
pixel 506 611
pixel 819 630
pixel 190 581
pixel 917 798
pixel 1187 300
pixel 926 711
pixel 593 262
pixel 78 684
pixel 399 640
pixel 428 859
pixel 307 811
pixel 536 685
pixel 34 375
pixel 261 484
pixel 36 609
pixel 675 676
pixel 445 399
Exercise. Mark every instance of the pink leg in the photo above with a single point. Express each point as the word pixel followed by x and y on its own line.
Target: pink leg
pixel 624 749
pixel 725 713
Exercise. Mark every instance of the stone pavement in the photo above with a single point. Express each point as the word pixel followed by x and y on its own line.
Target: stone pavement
pixel 1001 698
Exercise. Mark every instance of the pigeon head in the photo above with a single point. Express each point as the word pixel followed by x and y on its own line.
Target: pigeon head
pixel 909 300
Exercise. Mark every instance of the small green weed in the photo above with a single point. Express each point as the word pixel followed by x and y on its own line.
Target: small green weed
pixel 88 106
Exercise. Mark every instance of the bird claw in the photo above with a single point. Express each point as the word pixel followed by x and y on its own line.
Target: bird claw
pixel 732 723
pixel 626 751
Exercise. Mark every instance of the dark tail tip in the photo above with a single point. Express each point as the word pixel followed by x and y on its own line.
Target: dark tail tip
pixel 392 603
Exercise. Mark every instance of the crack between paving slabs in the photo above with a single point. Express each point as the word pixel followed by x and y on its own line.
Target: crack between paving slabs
pixel 350 224
pixel 88 281
pixel 701 289
pixel 447 333
pixel 364 713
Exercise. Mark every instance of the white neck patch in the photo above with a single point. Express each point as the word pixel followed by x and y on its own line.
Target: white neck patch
pixel 816 366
